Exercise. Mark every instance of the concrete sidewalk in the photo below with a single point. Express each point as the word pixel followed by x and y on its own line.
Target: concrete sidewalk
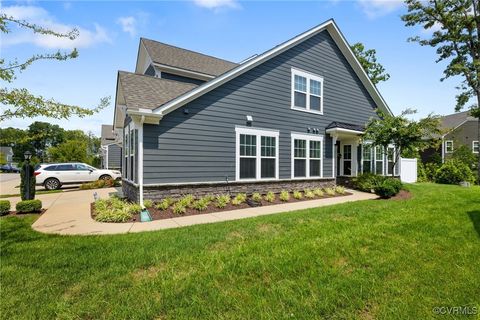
pixel 69 214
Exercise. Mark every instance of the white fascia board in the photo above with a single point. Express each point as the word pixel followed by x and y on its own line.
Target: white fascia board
pixel 333 30
pixel 340 130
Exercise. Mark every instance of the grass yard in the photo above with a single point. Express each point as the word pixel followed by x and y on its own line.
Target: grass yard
pixel 373 259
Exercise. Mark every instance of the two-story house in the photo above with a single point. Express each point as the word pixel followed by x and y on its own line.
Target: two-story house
pixel 289 118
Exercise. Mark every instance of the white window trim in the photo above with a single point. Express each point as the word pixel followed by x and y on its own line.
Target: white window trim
pixel 258 132
pixel 372 156
pixel 391 146
pixel 375 160
pixel 446 146
pixel 473 146
pixel 308 138
pixel 309 76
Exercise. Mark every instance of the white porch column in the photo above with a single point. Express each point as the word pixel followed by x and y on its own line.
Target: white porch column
pixel 334 155
pixel 140 160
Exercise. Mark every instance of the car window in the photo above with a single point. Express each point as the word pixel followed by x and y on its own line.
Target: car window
pixel 65 167
pixel 83 167
pixel 50 168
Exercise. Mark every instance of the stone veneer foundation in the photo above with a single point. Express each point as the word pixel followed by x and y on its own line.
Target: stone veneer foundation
pixel 176 191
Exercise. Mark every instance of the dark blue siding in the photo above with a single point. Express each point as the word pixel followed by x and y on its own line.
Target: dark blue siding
pixel 200 146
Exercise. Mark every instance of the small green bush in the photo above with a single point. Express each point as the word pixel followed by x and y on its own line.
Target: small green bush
pixel 27 206
pixel 102 183
pixel 222 201
pixel 201 204
pixel 239 199
pixel 318 192
pixel 270 196
pixel 115 210
pixel 165 204
pixel 366 182
pixel 284 195
pixel 179 208
pixel 4 207
pixel 187 200
pixel 309 194
pixel 134 208
pixel 340 190
pixel 329 191
pixel 257 197
pixel 297 195
pixel 209 198
pixel 389 187
pixel 454 172
pixel 148 203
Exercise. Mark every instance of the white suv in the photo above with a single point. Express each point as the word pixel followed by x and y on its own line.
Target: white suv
pixel 54 175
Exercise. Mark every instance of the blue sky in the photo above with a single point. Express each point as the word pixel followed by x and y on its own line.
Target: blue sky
pixel 229 29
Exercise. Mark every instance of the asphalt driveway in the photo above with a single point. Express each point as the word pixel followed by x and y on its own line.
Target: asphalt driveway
pixel 10 184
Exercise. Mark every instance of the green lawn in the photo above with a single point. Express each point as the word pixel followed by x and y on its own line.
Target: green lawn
pixel 373 259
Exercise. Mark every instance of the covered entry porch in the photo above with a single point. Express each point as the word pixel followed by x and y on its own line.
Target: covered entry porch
pixel 353 155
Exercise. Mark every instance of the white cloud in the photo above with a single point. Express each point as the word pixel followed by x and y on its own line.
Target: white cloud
pixel 217 4
pixel 377 8
pixel 129 25
pixel 38 15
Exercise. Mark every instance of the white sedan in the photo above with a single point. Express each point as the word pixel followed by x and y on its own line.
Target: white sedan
pixel 54 175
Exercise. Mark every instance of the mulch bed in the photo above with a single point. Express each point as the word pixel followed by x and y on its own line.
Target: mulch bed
pixel 402 195
pixel 159 214
pixel 16 213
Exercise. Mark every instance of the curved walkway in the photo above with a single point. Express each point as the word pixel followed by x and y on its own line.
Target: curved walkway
pixel 69 214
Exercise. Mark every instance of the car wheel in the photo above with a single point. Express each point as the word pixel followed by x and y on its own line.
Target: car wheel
pixel 105 177
pixel 52 184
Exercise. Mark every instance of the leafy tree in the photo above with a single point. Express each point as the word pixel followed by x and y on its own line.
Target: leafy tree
pixel 456 37
pixel 368 59
pixel 465 155
pixel 405 134
pixel 72 150
pixel 43 135
pixel 19 102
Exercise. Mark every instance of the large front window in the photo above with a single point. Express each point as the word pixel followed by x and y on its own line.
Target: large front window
pixel 257 152
pixel 367 158
pixel 307 159
pixel 379 160
pixel 307 91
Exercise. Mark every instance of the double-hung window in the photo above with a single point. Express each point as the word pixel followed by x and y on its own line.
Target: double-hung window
pixel 307 156
pixel 448 146
pixel 307 91
pixel 367 158
pixel 475 147
pixel 390 160
pixel 257 154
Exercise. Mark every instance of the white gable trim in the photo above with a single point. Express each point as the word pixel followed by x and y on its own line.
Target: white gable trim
pixel 336 35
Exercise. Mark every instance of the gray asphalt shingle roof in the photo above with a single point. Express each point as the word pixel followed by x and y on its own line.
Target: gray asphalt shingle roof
pixel 149 92
pixel 452 121
pixel 182 58
pixel 344 125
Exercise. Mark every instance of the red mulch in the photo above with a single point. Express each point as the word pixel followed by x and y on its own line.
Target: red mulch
pixel 402 195
pixel 16 213
pixel 159 214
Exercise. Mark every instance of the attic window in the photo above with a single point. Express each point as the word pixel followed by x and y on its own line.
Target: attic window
pixel 307 92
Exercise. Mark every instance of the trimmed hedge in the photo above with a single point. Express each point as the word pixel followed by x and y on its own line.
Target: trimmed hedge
pixel 27 206
pixel 4 207
pixel 388 188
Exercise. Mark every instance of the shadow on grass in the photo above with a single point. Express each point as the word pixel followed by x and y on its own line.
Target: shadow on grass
pixel 475 217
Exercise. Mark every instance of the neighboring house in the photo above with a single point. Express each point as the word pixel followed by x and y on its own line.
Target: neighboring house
pixel 289 118
pixel 110 148
pixel 458 129
pixel 7 152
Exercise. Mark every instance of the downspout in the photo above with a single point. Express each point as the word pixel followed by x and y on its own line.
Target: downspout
pixel 140 160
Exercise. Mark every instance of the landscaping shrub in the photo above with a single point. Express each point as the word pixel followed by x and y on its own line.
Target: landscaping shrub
pixel 239 199
pixel 201 204
pixel 426 172
pixel 222 201
pixel 257 197
pixel 309 194
pixel 4 207
pixel 454 172
pixel 389 187
pixel 209 198
pixel 179 208
pixel 329 191
pixel 340 190
pixel 318 192
pixel 148 203
pixel 107 183
pixel 164 204
pixel 284 195
pixel 297 195
pixel 270 196
pixel 27 206
pixel 366 182
pixel 115 210
pixel 187 200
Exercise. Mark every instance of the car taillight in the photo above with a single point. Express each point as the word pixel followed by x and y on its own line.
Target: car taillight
pixel 36 173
